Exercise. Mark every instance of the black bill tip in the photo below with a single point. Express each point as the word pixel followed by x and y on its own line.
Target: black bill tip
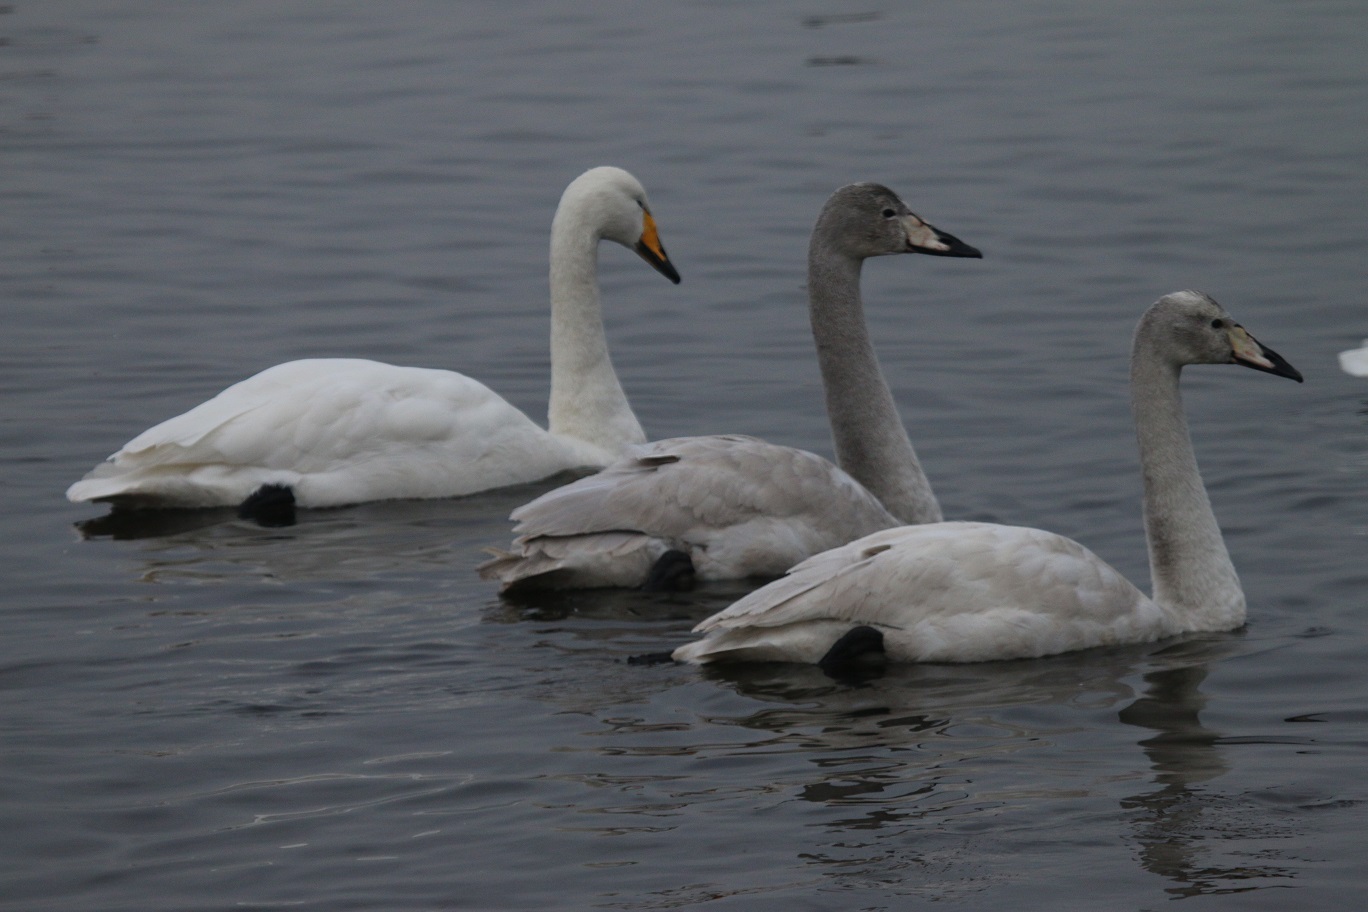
pixel 954 247
pixel 1277 365
pixel 659 261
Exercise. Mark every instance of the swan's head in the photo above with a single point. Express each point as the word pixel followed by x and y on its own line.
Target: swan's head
pixel 867 220
pixel 610 204
pixel 1191 328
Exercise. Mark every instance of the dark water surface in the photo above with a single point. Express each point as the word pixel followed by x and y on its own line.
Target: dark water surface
pixel 340 715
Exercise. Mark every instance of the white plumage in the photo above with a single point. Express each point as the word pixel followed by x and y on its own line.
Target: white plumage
pixel 1355 360
pixel 342 431
pixel 970 592
pixel 943 592
pixel 739 506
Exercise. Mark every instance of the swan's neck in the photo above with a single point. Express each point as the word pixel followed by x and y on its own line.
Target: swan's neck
pixel 871 443
pixel 587 401
pixel 1190 568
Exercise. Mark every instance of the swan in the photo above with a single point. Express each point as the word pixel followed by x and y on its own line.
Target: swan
pixel 972 592
pixel 333 431
pixel 733 506
pixel 1355 360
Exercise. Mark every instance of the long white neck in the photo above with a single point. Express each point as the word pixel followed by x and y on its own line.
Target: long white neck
pixel 1190 568
pixel 587 401
pixel 871 442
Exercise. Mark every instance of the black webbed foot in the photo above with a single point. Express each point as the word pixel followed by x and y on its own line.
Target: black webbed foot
pixel 673 571
pixel 272 506
pixel 858 653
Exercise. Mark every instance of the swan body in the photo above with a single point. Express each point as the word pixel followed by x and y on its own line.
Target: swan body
pixel 697 495
pixel 340 431
pixel 1355 360
pixel 870 582
pixel 738 506
pixel 971 592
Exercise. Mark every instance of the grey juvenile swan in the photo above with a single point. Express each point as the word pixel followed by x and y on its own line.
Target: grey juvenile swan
pixel 729 506
pixel 327 432
pixel 972 592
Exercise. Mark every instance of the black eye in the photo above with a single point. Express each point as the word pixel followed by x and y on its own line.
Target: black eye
pixel 889 213
pixel 1217 323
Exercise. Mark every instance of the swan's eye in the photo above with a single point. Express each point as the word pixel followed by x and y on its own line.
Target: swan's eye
pixel 889 213
pixel 1217 323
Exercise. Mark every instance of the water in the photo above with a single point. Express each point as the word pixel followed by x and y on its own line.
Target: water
pixel 340 715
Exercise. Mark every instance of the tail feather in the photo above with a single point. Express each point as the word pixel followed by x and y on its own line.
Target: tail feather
pixel 603 559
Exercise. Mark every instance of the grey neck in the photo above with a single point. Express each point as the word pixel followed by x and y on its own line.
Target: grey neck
pixel 1190 568
pixel 871 442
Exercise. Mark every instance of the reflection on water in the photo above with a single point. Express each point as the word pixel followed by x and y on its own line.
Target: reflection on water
pixel 128 525
pixel 369 540
pixel 1183 827
pixel 920 777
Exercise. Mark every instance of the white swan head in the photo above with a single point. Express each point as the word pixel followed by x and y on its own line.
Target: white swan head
pixel 867 220
pixel 610 204
pixel 1197 330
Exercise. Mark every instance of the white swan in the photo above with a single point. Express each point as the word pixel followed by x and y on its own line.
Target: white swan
pixel 1355 360
pixel 970 592
pixel 341 431
pixel 729 507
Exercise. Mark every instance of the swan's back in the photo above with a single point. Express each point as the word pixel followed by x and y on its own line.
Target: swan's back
pixel 683 483
pixel 942 592
pixel 336 431
pixel 739 506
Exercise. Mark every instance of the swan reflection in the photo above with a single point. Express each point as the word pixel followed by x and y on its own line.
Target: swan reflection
pixel 1182 826
pixel 928 779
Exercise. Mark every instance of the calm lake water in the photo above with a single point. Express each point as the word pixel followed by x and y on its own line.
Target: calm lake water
pixel 341 715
